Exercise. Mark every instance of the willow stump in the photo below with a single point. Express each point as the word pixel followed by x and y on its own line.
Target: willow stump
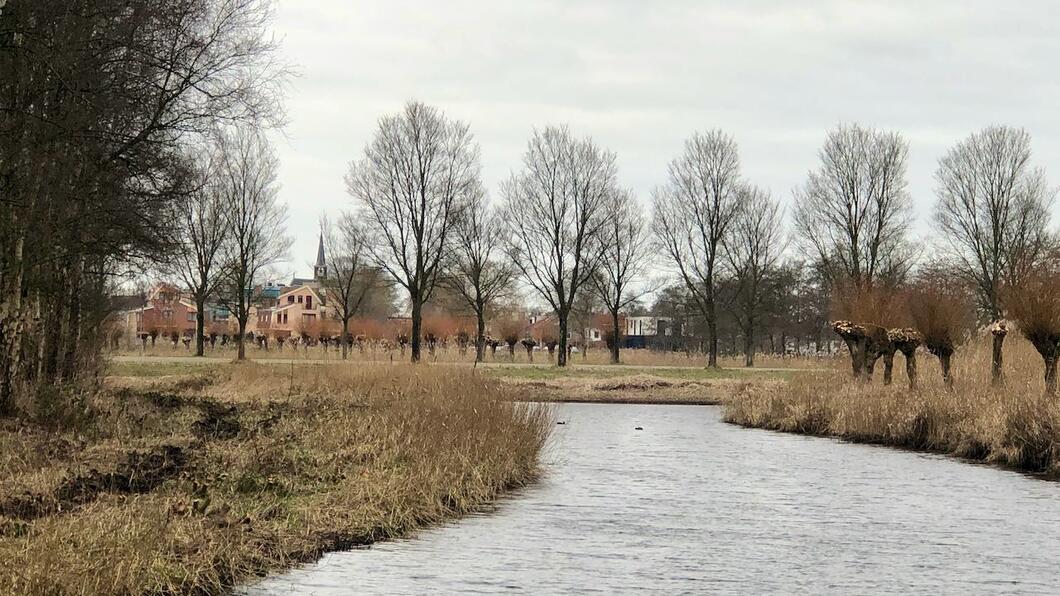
pixel 906 341
pixel 854 336
pixel 999 330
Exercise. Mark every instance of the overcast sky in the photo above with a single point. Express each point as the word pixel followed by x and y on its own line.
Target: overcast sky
pixel 641 76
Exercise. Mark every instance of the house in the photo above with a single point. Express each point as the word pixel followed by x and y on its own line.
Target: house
pixel 166 312
pixel 299 311
pixel 544 328
pixel 643 332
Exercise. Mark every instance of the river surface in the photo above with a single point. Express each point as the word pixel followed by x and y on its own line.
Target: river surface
pixel 690 504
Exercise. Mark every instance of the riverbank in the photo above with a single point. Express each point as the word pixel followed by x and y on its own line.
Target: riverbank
pixel 1014 426
pixel 191 483
pixel 642 388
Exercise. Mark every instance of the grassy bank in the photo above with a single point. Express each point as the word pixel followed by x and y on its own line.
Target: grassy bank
pixel 1014 426
pixel 192 483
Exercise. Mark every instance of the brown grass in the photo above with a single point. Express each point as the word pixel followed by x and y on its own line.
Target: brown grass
pixel 452 354
pixel 1014 426
pixel 192 484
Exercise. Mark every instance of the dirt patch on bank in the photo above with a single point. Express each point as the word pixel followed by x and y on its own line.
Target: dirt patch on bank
pixel 140 473
pixel 636 389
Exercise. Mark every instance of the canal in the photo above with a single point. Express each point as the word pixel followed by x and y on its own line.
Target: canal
pixel 690 504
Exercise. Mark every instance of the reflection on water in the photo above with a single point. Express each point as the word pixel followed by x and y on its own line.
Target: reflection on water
pixel 690 504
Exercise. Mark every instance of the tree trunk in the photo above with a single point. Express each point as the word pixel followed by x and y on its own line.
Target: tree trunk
pixel 1050 374
pixel 344 341
pixel 712 341
pixel 869 370
pixel 947 372
pixel 200 325
pixel 614 338
pixel 910 368
pixel 748 347
pixel 417 323
pixel 996 360
pixel 888 367
pixel 72 336
pixel 857 355
pixel 241 348
pixel 480 339
pixel 561 360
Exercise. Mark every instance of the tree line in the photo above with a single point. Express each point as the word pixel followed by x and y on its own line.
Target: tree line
pixel 105 107
pixel 564 226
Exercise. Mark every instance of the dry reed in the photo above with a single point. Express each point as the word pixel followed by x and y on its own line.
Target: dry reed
pixel 452 354
pixel 1015 425
pixel 189 487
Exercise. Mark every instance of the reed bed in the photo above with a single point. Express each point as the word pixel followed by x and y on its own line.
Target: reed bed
pixel 195 483
pixel 1015 425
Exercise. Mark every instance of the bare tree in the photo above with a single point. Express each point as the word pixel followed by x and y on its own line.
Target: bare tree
pixel 556 209
pixel 254 222
pixel 624 241
pixel 413 181
pixel 349 279
pixel 694 212
pixel 100 99
pixel 477 274
pixel 853 214
pixel 753 251
pixel 201 235
pixel 993 212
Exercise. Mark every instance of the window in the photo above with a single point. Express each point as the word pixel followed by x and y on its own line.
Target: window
pixel 308 302
pixel 299 299
pixel 596 335
pixel 167 314
pixel 191 316
pixel 290 299
pixel 284 317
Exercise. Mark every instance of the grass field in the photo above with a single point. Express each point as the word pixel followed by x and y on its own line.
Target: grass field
pixel 594 356
pixel 187 479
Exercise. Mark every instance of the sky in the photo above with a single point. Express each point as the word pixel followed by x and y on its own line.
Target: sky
pixel 641 77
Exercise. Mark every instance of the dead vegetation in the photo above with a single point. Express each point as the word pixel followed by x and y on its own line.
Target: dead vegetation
pixel 1014 425
pixel 191 484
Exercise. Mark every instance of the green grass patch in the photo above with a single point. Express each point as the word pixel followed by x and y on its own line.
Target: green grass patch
pixel 545 372
pixel 147 368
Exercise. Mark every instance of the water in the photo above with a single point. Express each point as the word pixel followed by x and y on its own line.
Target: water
pixel 693 505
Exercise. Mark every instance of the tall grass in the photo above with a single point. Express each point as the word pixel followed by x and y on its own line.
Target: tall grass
pixel 278 464
pixel 1015 425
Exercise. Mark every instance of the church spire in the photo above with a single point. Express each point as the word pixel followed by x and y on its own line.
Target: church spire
pixel 320 268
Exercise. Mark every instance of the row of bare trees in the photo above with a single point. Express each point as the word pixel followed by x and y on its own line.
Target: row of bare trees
pixel 231 227
pixel 563 227
pixel 993 257
pixel 104 104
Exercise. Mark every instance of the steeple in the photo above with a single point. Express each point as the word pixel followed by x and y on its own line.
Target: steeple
pixel 320 268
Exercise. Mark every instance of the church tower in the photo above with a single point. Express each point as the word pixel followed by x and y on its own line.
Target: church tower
pixel 320 268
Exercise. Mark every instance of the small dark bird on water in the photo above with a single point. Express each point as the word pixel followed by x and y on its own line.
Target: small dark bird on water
pixel 560 422
pixel 639 428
